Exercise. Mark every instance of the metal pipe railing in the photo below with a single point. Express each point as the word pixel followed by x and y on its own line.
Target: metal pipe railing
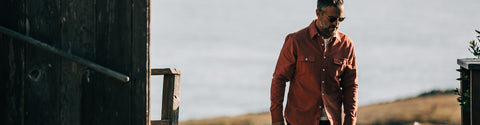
pixel 54 50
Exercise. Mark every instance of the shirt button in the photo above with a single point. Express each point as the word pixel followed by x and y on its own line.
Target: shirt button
pixel 320 107
pixel 324 57
pixel 323 81
pixel 323 44
pixel 323 94
pixel 306 59
pixel 323 70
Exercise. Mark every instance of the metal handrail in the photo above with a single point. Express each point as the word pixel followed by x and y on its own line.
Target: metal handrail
pixel 39 44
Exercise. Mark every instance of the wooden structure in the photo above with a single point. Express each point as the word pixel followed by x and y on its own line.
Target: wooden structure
pixel 76 62
pixel 171 96
pixel 470 80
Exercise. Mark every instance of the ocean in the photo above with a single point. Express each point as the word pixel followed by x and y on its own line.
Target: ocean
pixel 227 49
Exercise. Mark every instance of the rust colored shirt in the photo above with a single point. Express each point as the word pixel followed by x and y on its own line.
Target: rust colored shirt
pixel 321 76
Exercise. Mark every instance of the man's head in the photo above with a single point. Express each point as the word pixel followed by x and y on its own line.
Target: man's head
pixel 330 14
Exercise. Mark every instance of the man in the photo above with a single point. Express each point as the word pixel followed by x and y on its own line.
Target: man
pixel 319 62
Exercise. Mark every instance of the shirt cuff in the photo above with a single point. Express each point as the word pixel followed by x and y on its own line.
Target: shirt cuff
pixel 277 116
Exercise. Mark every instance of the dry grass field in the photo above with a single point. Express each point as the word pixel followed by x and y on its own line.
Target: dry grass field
pixel 440 109
pixel 436 109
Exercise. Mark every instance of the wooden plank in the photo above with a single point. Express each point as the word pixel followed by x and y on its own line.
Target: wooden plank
pixel 93 89
pixel 464 85
pixel 12 81
pixel 4 75
pixel 12 66
pixel 78 38
pixel 165 71
pixel 171 98
pixel 41 88
pixel 469 63
pixel 42 97
pixel 161 122
pixel 113 50
pixel 90 100
pixel 475 97
pixel 141 62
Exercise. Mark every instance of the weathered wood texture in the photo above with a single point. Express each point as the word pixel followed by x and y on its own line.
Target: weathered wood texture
pixel 38 87
pixel 12 82
pixel 166 71
pixel 171 98
pixel 464 86
pixel 475 97
pixel 171 95
pixel 469 63
pixel 161 122
pixel 12 64
pixel 471 68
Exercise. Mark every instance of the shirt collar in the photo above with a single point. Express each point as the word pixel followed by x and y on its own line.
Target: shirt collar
pixel 313 29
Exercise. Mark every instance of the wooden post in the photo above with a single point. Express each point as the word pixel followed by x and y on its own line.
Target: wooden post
pixel 170 97
pixel 471 66
pixel 474 96
pixel 464 86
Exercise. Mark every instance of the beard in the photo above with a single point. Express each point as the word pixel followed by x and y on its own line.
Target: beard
pixel 330 30
pixel 327 30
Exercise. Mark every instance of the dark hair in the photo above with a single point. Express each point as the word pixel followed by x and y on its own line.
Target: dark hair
pixel 324 3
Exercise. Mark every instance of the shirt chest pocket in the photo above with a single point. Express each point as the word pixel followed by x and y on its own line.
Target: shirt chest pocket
pixel 338 65
pixel 306 65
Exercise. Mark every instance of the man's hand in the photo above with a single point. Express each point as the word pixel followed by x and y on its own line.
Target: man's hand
pixel 278 123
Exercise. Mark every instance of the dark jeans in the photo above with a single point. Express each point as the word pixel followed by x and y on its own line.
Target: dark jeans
pixel 321 123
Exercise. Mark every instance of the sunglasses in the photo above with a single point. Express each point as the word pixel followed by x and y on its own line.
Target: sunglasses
pixel 333 19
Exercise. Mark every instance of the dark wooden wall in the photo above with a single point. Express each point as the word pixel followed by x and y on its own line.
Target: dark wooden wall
pixel 41 88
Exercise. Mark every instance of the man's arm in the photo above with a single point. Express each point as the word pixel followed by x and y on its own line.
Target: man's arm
pixel 283 73
pixel 350 90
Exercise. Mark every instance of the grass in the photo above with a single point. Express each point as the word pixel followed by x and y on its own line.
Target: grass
pixel 430 108
pixel 247 119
